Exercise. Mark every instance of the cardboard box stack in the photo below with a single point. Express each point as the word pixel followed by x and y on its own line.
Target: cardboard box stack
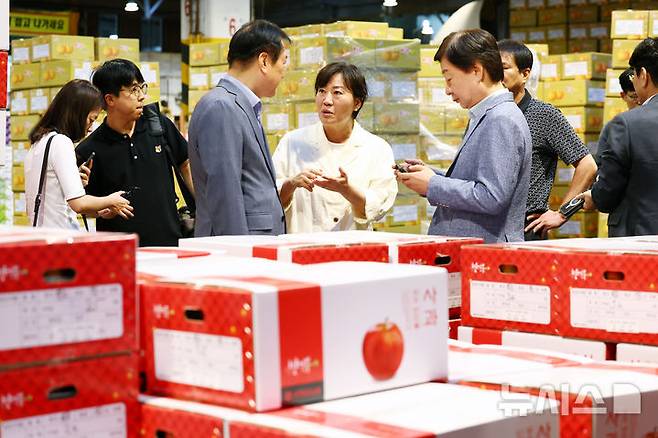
pixel 567 26
pixel 575 84
pixel 40 67
pixel 68 343
pixel 589 297
pixel 203 64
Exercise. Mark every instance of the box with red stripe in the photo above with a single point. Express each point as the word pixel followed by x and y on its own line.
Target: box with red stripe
pixel 65 295
pixel 79 399
pixel 321 332
pixel 3 80
pixel 420 411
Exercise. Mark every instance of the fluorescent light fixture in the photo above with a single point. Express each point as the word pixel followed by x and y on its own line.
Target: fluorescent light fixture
pixel 390 3
pixel 114 37
pixel 427 28
pixel 131 7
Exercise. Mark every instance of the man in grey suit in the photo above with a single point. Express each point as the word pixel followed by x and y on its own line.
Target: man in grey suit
pixel 484 192
pixel 231 164
pixel 627 182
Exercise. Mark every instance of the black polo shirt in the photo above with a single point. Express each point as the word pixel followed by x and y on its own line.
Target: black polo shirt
pixel 122 162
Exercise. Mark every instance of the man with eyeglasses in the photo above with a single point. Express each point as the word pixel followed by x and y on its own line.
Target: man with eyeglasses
pixel 129 157
pixel 627 183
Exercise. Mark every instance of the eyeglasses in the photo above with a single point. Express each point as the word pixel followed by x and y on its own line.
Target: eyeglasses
pixel 137 88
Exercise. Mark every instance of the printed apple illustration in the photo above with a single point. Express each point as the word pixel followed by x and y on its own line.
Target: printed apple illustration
pixel 383 348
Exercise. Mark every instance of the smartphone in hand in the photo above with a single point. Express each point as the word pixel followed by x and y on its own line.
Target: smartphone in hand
pixel 91 157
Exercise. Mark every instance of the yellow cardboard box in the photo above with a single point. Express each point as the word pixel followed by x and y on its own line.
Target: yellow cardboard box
pixel 395 33
pixel 606 10
pixel 612 86
pixel 18 178
pixel 306 114
pixel 605 45
pixel 196 78
pixel 293 31
pixel 630 25
pixel 21 51
pixel 153 95
pixel 53 92
pixel 193 97
pixel 653 24
pixel 25 76
pixel 612 107
pixel 366 117
pixel 357 29
pixel 582 224
pixel 433 118
pixel 517 4
pixel 584 119
pixel 22 221
pixel 552 16
pixel 206 53
pixel 556 32
pixel 456 120
pixel 21 126
pixel 311 30
pixel 402 86
pixel 585 65
pixel 19 149
pixel 591 141
pixel 398 54
pixel 557 46
pixel 519 18
pixel 599 31
pixel 583 14
pixel 432 91
pixel 394 118
pixel 51 47
pixel 536 4
pixel 563 174
pixel 19 102
pixel 539 49
pixel 575 92
pixel 39 100
pixel 297 85
pixel 278 117
pixel 622 51
pixel 540 91
pixel 403 146
pixel 578 31
pixel 216 72
pixel 580 46
pixel 20 207
pixel 150 72
pixel 315 53
pixel 551 68
pixel 518 33
pixel 56 73
pixel 439 149
pixel 537 35
pixel 109 48
pixel 603 225
pixel 428 67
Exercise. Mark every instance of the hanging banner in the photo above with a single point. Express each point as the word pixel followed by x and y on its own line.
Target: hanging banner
pixel 38 23
pixel 217 18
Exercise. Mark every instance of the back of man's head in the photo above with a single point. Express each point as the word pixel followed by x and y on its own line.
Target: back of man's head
pixel 645 56
pixel 520 52
pixel 112 75
pixel 254 38
pixel 625 81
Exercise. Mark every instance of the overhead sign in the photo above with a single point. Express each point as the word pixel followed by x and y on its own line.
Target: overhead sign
pixel 37 23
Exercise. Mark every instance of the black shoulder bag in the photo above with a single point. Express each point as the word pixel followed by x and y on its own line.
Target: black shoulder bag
pixel 42 180
pixel 187 213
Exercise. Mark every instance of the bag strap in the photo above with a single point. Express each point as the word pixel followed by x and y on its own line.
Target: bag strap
pixel 152 114
pixel 42 180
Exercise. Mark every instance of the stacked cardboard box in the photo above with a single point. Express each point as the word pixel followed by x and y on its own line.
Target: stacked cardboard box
pixel 68 362
pixel 203 64
pixel 40 67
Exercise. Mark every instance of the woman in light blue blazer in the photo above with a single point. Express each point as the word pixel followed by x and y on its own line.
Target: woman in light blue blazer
pixel 484 192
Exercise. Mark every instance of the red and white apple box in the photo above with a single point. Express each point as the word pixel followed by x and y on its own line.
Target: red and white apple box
pixel 592 349
pixel 599 399
pixel 168 417
pixel 440 251
pixel 3 82
pixel 511 287
pixel 65 295
pixel 79 399
pixel 302 252
pixel 475 362
pixel 326 331
pixel 149 253
pixel 635 353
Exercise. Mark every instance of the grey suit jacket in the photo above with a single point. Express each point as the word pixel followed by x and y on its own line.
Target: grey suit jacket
pixel 486 191
pixel 232 167
pixel 627 184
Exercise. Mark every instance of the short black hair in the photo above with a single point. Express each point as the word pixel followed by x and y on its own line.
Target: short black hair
pixel 67 113
pixel 354 80
pixel 646 55
pixel 254 38
pixel 625 81
pixel 465 47
pixel 519 51
pixel 114 74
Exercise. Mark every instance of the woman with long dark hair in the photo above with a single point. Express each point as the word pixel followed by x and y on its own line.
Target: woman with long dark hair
pixel 66 121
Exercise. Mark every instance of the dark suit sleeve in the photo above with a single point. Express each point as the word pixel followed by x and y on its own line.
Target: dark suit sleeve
pixel 219 140
pixel 175 139
pixel 608 190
